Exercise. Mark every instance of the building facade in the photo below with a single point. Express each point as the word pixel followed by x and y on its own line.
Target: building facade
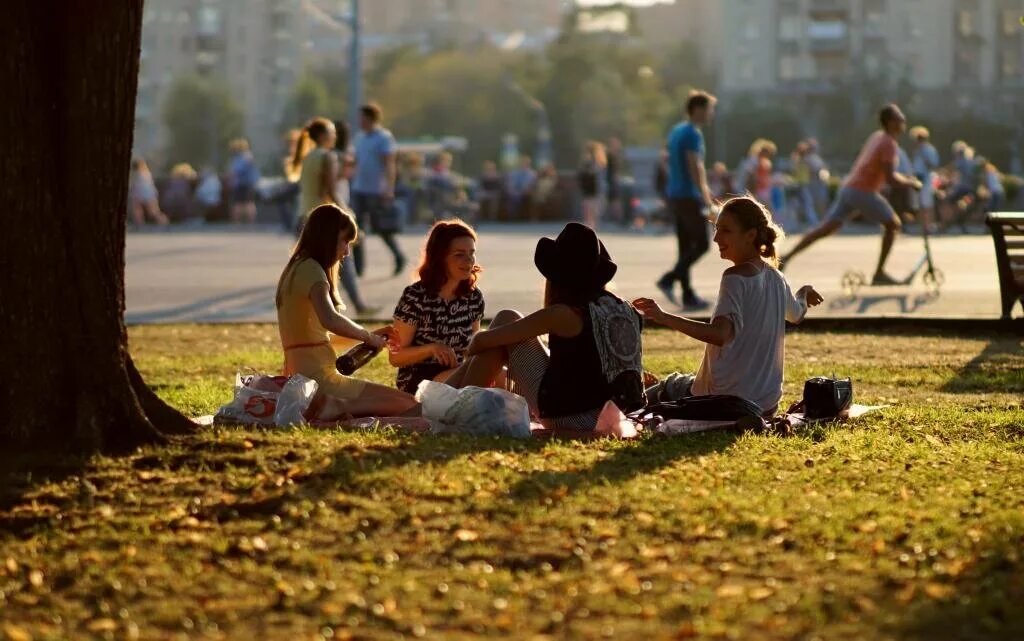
pixel 954 54
pixel 254 48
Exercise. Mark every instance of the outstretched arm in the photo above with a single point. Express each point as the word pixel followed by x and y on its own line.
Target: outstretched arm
pixel 718 332
pixel 554 319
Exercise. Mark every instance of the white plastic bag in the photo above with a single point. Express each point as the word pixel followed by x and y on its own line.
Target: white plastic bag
pixel 254 403
pixel 296 396
pixel 480 411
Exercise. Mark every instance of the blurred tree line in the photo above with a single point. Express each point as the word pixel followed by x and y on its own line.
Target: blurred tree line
pixel 592 86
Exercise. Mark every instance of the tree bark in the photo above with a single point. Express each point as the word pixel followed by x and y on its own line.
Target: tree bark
pixel 69 71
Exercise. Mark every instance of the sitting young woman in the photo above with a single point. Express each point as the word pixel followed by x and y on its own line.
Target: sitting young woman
pixel 746 337
pixel 438 315
pixel 594 339
pixel 307 309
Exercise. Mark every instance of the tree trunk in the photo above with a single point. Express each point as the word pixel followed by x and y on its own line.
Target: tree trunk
pixel 69 72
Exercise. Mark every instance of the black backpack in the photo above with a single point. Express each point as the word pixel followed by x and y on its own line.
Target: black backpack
pixel 713 407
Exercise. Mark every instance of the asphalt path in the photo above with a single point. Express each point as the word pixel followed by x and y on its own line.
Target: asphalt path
pixel 226 274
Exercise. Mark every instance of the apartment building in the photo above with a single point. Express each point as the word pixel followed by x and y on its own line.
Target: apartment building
pixel 956 54
pixel 253 47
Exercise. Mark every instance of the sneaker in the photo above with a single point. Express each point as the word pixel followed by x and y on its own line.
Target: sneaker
pixel 666 290
pixel 694 302
pixel 881 278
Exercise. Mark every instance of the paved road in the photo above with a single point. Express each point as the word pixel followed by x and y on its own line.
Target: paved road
pixel 223 275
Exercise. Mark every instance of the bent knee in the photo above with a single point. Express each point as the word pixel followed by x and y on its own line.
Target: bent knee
pixel 505 317
pixel 894 225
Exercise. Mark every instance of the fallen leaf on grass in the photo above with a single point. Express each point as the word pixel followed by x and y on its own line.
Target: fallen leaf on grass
pixel 938 591
pixel 14 633
pixel 761 593
pixel 102 625
pixel 864 604
pixel 867 527
pixel 907 593
pixel 729 590
pixel 35 577
pixel 466 535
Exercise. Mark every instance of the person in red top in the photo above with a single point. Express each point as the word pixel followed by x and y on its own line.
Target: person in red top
pixel 875 166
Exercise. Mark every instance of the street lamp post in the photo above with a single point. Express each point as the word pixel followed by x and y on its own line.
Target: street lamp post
pixel 355 72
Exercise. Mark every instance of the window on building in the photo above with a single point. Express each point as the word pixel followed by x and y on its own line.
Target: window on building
pixel 208 21
pixel 789 67
pixel 1010 63
pixel 966 23
pixel 826 29
pixel 1011 23
pixel 746 68
pixel 789 27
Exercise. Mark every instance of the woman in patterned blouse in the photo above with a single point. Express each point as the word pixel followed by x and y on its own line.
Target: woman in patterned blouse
pixel 438 315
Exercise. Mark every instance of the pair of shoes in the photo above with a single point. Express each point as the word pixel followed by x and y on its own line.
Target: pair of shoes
pixel 693 302
pixel 666 290
pixel 881 278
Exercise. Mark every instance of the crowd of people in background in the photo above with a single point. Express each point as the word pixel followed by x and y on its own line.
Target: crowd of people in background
pixel 423 187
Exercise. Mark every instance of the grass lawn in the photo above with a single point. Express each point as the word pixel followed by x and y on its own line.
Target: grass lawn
pixel 906 524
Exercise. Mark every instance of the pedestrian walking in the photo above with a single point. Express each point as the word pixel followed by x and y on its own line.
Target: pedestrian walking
pixel 342 195
pixel 243 178
pixel 518 184
pixel 875 166
pixel 373 188
pixel 688 196
pixel 143 201
pixel 615 210
pixel 925 160
pixel 591 179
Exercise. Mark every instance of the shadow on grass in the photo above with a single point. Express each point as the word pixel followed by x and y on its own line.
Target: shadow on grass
pixel 984 602
pixel 21 473
pixel 347 468
pixel 999 367
pixel 635 458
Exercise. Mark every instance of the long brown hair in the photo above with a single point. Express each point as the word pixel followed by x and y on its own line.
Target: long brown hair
pixel 308 138
pixel 433 269
pixel 750 214
pixel 319 241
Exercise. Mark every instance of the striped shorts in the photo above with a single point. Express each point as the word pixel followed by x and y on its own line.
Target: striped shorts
pixel 527 362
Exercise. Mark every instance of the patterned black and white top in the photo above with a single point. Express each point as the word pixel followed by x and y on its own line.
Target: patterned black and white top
pixel 437 321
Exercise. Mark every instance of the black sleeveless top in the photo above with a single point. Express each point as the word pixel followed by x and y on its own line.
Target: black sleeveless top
pixel 574 382
pixel 603 362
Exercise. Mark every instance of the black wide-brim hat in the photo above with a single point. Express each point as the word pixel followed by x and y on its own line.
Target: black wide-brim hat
pixel 577 258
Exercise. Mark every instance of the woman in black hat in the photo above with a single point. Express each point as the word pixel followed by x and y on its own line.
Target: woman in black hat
pixel 594 351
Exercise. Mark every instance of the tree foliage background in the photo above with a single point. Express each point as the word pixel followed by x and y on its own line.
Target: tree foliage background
pixel 200 141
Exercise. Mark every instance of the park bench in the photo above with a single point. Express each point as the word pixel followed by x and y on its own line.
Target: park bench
pixel 1008 235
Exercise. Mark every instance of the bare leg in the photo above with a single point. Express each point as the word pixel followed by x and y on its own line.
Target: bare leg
pixel 137 216
pixel 484 368
pixel 827 228
pixel 888 236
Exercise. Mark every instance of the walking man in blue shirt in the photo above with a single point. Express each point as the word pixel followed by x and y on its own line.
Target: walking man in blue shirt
pixel 373 186
pixel 688 196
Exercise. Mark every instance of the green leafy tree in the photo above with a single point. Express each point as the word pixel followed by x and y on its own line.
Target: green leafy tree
pixel 309 98
pixel 458 93
pixel 201 118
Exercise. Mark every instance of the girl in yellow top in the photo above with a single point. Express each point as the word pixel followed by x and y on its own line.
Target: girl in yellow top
pixel 307 309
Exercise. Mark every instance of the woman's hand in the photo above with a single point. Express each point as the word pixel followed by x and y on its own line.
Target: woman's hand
pixel 444 354
pixel 650 309
pixel 375 339
pixel 809 295
pixel 390 335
